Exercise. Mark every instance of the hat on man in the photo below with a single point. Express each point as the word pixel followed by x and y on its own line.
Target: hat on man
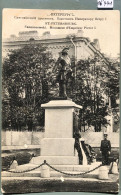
pixel 105 133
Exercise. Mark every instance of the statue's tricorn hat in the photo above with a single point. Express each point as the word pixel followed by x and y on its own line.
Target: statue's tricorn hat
pixel 65 51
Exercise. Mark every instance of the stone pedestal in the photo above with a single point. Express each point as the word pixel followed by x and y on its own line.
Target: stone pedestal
pixel 58 141
pixel 57 147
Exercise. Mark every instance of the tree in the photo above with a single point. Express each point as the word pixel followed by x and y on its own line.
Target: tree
pixel 94 80
pixel 112 89
pixel 26 73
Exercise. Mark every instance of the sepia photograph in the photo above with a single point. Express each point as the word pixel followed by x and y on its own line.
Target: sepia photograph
pixel 60 101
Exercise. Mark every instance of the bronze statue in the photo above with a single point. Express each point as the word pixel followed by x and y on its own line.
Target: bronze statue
pixel 63 67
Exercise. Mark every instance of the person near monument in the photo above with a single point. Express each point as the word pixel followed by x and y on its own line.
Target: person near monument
pixel 105 148
pixel 63 71
pixel 77 135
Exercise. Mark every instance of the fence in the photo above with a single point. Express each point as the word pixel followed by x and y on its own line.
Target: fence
pixel 94 138
pixel 19 138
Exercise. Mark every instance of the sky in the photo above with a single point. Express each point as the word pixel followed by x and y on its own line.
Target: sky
pixel 103 25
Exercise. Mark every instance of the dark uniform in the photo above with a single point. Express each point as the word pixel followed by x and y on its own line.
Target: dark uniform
pixel 105 149
pixel 77 147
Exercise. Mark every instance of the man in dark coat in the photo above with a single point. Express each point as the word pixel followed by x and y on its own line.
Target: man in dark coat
pixel 77 137
pixel 105 148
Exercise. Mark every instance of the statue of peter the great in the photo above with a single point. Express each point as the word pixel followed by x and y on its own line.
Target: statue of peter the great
pixel 64 71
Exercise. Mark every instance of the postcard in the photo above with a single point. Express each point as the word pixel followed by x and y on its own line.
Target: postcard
pixel 60 101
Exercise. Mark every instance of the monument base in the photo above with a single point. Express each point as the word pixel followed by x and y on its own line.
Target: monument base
pixel 56 160
pixel 57 147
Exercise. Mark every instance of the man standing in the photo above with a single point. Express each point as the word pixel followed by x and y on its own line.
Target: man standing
pixel 77 137
pixel 105 148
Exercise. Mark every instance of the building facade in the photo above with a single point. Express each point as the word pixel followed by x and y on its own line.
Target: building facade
pixel 79 46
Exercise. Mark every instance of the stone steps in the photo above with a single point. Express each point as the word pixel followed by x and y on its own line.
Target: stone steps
pixel 56 160
pixel 81 168
pixel 89 175
pixel 52 174
pixel 72 169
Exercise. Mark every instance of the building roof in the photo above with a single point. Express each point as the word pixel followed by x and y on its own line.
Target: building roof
pixel 27 36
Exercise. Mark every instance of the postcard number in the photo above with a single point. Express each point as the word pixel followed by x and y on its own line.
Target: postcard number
pixel 105 3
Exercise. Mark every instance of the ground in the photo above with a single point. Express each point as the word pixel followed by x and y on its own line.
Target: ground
pixel 37 184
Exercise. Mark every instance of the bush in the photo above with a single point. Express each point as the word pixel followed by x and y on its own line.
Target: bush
pixel 23 157
pixel 7 161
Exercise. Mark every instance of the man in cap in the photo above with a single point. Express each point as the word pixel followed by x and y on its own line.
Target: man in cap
pixel 105 148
